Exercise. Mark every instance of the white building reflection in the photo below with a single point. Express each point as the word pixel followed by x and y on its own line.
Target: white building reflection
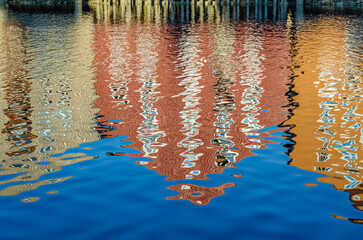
pixel 46 96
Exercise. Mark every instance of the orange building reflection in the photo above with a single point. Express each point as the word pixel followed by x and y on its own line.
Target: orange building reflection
pixel 328 122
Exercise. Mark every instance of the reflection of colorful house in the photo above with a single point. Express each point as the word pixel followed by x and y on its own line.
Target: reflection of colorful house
pixel 180 92
pixel 328 121
pixel 197 194
pixel 276 61
pixel 39 117
pixel 16 103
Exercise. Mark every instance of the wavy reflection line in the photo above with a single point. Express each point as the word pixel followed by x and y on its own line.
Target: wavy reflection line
pixel 224 71
pixel 18 109
pixel 148 132
pixel 252 78
pixel 191 76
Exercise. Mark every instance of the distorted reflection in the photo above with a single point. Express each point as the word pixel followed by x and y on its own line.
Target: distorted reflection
pixel 46 97
pixel 224 71
pixel 328 122
pixel 191 97
pixel 196 194
pixel 148 131
pixel 195 87
pixel 190 79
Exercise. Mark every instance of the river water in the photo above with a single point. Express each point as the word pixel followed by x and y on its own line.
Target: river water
pixel 161 120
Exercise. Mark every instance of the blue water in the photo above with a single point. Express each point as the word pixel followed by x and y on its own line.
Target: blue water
pixel 112 198
pixel 86 178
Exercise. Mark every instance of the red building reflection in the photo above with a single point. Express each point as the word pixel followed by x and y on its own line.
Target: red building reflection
pixel 194 101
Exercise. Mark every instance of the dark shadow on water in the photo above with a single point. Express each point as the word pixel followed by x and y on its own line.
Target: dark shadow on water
pixel 39 6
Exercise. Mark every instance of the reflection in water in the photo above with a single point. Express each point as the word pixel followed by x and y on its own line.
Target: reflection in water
pixel 328 122
pixel 148 131
pixel 41 62
pixel 190 79
pixel 196 194
pixel 38 6
pixel 17 86
pixel 224 71
pixel 174 12
pixel 190 97
pixel 196 87
pixel 17 130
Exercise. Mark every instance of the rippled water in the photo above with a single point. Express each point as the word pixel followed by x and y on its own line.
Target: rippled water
pixel 111 112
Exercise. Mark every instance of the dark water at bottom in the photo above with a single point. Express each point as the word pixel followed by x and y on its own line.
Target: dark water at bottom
pixel 180 121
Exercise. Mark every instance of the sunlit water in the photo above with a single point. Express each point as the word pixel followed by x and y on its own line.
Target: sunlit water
pixel 180 121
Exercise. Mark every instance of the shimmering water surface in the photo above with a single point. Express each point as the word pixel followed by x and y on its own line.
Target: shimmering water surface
pixel 163 120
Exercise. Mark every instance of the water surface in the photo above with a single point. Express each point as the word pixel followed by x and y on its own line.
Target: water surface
pixel 180 121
